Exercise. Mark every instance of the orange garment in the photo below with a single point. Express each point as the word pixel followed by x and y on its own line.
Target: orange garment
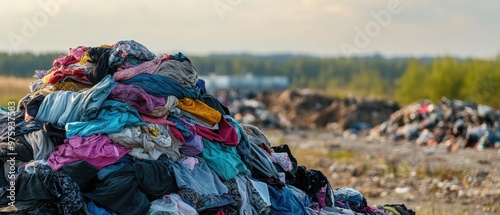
pixel 200 110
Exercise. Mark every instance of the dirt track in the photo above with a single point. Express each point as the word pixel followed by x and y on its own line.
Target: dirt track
pixel 429 180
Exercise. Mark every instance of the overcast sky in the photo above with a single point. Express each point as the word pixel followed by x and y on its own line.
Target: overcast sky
pixel 326 28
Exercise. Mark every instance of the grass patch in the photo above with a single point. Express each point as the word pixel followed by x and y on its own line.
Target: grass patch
pixel 13 89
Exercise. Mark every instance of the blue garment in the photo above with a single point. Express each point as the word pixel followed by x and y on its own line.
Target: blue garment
pixel 113 117
pixel 21 127
pixel 200 84
pixel 184 126
pixel 349 197
pixel 283 202
pixel 93 209
pixel 162 86
pixel 201 179
pixel 62 107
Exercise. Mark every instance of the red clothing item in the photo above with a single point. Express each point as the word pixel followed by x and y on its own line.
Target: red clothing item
pixel 61 73
pixel 226 133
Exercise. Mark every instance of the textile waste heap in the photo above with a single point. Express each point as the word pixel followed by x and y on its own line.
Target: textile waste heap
pixel 117 129
pixel 448 124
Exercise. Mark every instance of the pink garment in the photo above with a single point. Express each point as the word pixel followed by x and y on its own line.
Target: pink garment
pixel 280 158
pixel 73 56
pixel 97 150
pixel 146 67
pixel 189 162
pixel 226 133
pixel 136 97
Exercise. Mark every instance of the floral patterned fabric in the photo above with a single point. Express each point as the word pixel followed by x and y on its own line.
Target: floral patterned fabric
pixel 129 53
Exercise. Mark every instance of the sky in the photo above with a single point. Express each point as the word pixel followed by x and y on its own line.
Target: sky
pixel 393 28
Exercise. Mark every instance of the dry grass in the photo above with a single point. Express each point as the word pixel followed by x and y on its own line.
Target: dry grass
pixel 13 89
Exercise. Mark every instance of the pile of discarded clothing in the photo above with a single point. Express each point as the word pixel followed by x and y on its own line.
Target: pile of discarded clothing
pixel 116 129
pixel 449 123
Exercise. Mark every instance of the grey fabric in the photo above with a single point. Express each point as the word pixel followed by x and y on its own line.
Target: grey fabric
pixel 183 72
pixel 255 135
pixel 258 162
pixel 42 146
pixel 252 201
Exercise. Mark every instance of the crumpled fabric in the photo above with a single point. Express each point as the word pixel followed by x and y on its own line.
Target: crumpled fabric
pixel 95 210
pixel 99 57
pixel 200 110
pixel 223 159
pixel 252 201
pixel 21 127
pixel 280 158
pixel 129 189
pixel 58 193
pixel 145 67
pixel 163 111
pixel 193 146
pixel 226 133
pixel 259 164
pixel 42 146
pixel 283 202
pixel 162 86
pixel 137 98
pixel 153 139
pixel 61 107
pixel 36 85
pixel 97 150
pixel 77 72
pixel 113 117
pixel 201 178
pixel 255 135
pixel 185 126
pixel 71 86
pixel 178 113
pixel 74 56
pixel 181 71
pixel 316 185
pixel 171 204
pixel 129 53
pixel 352 198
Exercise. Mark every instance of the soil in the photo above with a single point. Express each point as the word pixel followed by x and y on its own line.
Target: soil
pixel 425 179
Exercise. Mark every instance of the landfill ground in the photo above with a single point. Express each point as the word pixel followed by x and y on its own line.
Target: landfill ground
pixel 426 179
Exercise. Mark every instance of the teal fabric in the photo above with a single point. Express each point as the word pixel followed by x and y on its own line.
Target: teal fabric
pixel 113 117
pixel 223 159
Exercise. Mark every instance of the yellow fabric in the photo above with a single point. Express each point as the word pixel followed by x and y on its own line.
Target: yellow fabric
pixel 200 110
pixel 392 210
pixel 106 46
pixel 84 58
pixel 70 86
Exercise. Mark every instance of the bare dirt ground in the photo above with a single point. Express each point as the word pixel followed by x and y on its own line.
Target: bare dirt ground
pixel 427 180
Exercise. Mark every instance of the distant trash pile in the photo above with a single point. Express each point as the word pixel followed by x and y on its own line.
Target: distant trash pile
pixel 116 129
pixel 311 109
pixel 449 123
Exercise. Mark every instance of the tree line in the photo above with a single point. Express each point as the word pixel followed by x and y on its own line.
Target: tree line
pixel 401 79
